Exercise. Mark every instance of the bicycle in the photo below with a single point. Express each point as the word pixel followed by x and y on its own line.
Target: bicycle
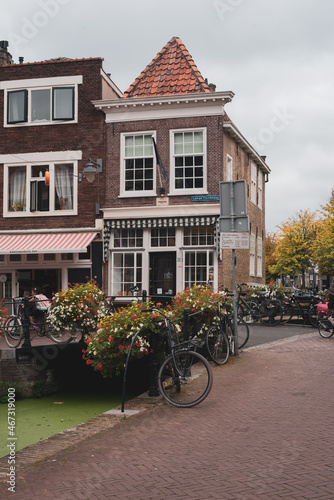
pixel 185 377
pixel 14 327
pixel 264 309
pixel 219 339
pixel 303 306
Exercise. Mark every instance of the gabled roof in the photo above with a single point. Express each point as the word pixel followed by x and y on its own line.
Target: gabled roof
pixel 172 71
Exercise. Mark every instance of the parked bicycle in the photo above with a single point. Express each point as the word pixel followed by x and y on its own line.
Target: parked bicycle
pixel 185 376
pixel 219 338
pixel 301 305
pixel 263 308
pixel 41 327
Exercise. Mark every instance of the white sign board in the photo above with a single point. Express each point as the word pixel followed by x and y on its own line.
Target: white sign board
pixel 234 241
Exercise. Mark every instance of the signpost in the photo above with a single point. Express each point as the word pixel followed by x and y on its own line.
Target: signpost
pixel 234 220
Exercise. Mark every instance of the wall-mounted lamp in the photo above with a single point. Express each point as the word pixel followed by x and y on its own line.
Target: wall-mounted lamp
pixel 162 192
pixel 92 168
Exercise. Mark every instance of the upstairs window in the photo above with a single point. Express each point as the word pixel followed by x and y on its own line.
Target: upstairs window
pixel 41 105
pixel 188 153
pixel 25 191
pixel 41 101
pixel 138 165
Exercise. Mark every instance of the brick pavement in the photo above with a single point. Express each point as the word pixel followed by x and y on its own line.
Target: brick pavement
pixel 263 433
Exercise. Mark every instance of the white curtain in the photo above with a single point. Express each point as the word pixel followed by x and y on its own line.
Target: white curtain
pixel 64 186
pixel 17 189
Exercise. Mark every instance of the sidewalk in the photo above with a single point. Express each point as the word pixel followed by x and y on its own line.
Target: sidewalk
pixel 264 432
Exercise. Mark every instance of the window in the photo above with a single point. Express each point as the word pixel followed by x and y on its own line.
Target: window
pixel 253 182
pixel 260 189
pixel 163 237
pixel 25 191
pixel 126 272
pixel 229 168
pixel 198 268
pixel 198 236
pixel 259 257
pixel 40 106
pixel 41 101
pixel 128 238
pixel 188 154
pixel 252 255
pixel 138 165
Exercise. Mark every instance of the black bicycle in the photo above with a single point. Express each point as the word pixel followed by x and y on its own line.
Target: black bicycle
pixel 325 327
pixel 219 338
pixel 41 327
pixel 262 308
pixel 185 376
pixel 301 305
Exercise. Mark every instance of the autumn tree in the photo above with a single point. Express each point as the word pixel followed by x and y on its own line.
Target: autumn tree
pixel 271 261
pixel 294 252
pixel 324 244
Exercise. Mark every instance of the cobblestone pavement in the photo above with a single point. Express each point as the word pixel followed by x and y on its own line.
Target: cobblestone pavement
pixel 264 432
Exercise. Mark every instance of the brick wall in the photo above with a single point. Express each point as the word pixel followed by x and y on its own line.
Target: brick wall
pixel 87 135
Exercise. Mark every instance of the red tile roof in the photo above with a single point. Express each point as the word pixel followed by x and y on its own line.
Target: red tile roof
pixel 172 71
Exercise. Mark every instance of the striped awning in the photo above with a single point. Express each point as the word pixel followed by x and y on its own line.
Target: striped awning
pixel 46 243
pixel 109 224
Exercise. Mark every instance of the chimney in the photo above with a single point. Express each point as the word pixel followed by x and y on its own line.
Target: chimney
pixel 212 87
pixel 5 56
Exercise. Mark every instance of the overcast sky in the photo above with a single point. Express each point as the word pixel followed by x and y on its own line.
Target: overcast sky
pixel 275 55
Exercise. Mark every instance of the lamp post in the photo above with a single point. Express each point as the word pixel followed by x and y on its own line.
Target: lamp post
pixel 91 169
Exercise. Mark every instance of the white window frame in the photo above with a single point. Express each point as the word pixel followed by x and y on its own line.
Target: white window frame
pixel 252 254
pixel 135 268
pixel 260 189
pixel 210 268
pixel 41 84
pixel 193 191
pixel 136 194
pixel 259 257
pixel 50 159
pixel 229 168
pixel 253 182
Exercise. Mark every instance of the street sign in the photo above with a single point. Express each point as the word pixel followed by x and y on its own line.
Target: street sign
pixel 233 199
pixel 228 224
pixel 234 241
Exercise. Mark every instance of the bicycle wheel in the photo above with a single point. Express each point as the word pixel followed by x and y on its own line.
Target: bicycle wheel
pixel 217 345
pixel 270 313
pixel 13 331
pixel 287 312
pixel 313 317
pixel 59 336
pixel 326 329
pixel 243 333
pixel 194 383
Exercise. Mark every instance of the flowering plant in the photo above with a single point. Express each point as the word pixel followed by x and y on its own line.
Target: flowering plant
pixel 79 305
pixel 3 315
pixel 108 348
pixel 201 303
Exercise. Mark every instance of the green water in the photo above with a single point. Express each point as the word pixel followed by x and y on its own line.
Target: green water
pixel 38 419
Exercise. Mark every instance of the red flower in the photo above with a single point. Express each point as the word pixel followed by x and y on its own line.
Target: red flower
pixel 88 362
pixel 153 316
pixel 133 316
pixel 99 366
pixel 121 347
pixel 110 338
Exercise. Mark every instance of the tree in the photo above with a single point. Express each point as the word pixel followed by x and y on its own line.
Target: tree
pixel 294 252
pixel 324 244
pixel 271 261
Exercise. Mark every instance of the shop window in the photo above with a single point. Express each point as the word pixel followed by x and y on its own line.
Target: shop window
pixel 126 272
pixel 163 237
pixel 198 236
pixel 198 268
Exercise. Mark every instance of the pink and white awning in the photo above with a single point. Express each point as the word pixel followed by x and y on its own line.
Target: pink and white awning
pixel 46 243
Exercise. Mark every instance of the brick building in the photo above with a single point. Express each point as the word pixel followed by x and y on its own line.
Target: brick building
pixel 50 224
pixel 161 209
